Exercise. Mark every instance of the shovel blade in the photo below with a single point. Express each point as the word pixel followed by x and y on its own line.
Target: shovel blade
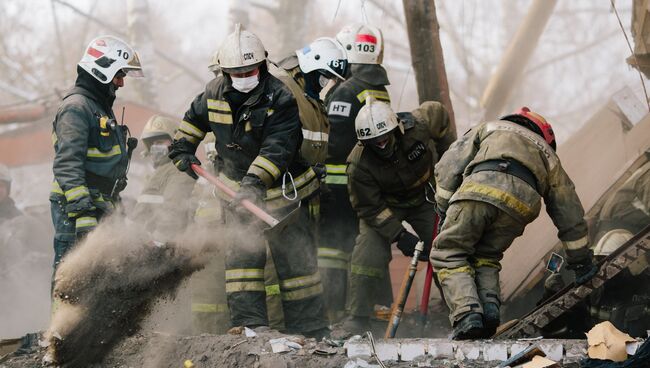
pixel 277 231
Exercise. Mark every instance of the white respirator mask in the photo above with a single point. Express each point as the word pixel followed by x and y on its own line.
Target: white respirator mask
pixel 245 84
pixel 158 154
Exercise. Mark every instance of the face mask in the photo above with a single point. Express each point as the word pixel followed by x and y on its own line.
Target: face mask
pixel 246 84
pixel 323 80
pixel 158 153
pixel 387 149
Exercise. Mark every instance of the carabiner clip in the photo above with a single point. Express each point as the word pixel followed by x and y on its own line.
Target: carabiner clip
pixel 426 193
pixel 284 186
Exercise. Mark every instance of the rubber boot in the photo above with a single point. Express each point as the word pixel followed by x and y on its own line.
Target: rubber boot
pixel 491 319
pixel 468 327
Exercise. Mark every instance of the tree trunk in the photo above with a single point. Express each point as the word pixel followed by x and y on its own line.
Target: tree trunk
pixel 426 54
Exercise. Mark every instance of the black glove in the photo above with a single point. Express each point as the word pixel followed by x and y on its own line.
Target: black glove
pixel 182 152
pixel 584 272
pixel 251 188
pixel 406 242
pixel 83 212
pixel 82 206
pixel 580 261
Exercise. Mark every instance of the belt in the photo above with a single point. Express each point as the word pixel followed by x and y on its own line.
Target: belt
pixel 511 167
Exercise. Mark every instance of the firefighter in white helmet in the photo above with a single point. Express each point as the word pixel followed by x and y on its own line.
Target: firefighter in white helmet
pixel 389 175
pixel 255 120
pixel 8 208
pixel 364 48
pixel 91 149
pixel 159 206
pixel 622 300
pixel 306 72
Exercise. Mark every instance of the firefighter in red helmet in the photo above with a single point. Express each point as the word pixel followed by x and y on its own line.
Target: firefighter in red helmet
pixel 489 187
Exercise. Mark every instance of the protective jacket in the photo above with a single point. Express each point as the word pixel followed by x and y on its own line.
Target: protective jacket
pixel 539 175
pixel 260 135
pixel 375 184
pixel 313 117
pixel 343 102
pixel 161 207
pixel 629 207
pixel 90 147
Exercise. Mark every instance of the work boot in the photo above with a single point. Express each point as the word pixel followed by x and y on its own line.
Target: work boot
pixel 491 319
pixel 469 327
pixel 352 325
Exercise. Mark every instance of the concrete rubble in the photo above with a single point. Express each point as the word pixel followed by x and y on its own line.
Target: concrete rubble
pixel 269 348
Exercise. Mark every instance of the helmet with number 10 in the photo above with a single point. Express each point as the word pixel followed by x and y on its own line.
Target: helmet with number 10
pixel 364 44
pixel 105 56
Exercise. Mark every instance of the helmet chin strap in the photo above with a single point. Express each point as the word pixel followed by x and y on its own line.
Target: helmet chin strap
pixel 312 85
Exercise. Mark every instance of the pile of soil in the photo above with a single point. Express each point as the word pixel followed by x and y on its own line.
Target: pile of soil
pixel 107 286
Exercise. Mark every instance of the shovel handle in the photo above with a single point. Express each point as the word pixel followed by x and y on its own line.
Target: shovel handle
pixel 258 212
pixel 426 292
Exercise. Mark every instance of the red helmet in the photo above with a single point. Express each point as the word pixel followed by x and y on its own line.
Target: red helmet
pixel 543 126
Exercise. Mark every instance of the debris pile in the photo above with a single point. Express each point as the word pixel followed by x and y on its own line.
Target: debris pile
pixel 109 284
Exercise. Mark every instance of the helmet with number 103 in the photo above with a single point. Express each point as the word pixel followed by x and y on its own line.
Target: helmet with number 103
pixel 105 56
pixel 363 44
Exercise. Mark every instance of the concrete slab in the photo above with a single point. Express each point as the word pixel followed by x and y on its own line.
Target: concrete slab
pixel 482 350
pixel 495 351
pixel 411 350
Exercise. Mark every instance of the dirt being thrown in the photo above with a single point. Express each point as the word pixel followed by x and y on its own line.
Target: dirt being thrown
pixel 107 286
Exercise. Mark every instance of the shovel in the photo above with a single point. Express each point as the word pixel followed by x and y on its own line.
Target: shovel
pixel 276 227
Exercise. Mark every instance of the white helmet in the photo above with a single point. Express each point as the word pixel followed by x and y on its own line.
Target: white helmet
pixel 107 55
pixel 375 119
pixel 158 126
pixel 323 54
pixel 364 44
pixel 241 52
pixel 611 241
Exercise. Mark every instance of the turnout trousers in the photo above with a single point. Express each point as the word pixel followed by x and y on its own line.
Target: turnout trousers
pixel 369 275
pixel 338 228
pixel 467 253
pixel 294 256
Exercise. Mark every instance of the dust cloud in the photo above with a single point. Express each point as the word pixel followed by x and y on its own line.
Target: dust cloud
pixel 110 282
pixel 117 281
